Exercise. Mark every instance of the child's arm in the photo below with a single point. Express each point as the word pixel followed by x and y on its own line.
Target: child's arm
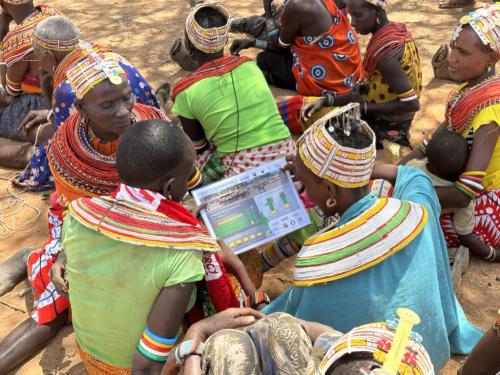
pixel 388 172
pixel 235 266
pixel 161 329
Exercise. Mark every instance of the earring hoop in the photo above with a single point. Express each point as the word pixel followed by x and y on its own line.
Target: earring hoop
pixel 330 203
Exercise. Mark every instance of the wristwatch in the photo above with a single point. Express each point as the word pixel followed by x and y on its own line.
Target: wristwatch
pixel 257 298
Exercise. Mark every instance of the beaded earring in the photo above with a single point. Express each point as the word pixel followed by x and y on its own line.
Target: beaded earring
pixel 330 203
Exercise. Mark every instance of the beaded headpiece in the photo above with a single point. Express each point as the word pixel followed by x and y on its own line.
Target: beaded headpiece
pixel 485 22
pixel 55 45
pixel 94 69
pixel 344 166
pixel 17 2
pixel 210 40
pixel 393 346
pixel 378 3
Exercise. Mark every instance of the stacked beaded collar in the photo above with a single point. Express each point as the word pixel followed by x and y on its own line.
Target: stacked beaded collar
pixel 343 166
pixel 210 40
pixel 94 69
pixel 381 231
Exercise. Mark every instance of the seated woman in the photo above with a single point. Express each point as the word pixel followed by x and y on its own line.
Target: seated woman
pixel 393 73
pixel 57 47
pixel 391 249
pixel 82 157
pixel 226 103
pixel 473 111
pixel 21 90
pixel 104 238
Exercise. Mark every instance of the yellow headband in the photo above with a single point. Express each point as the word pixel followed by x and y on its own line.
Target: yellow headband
pixel 485 22
pixel 343 166
pixel 207 40
pixel 94 69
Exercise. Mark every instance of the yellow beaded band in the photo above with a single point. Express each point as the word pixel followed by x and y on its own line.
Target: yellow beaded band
pixel 18 2
pixel 94 69
pixel 55 45
pixel 210 40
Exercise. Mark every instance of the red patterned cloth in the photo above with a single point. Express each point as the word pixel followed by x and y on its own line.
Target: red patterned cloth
pixel 487 220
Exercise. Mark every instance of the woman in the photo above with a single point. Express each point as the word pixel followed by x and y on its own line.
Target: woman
pixel 393 73
pixel 19 73
pixel 226 106
pixel 473 111
pixel 82 159
pixel 57 46
pixel 391 249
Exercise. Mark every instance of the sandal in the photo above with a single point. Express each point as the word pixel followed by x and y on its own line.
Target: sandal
pixel 180 55
pixel 492 256
pixel 440 63
pixel 450 4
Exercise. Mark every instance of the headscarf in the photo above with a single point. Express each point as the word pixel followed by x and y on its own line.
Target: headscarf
pixel 485 22
pixel 210 40
pixel 94 69
pixel 378 3
pixel 343 166
pixel 382 340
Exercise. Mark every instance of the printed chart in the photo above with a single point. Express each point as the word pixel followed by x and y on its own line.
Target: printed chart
pixel 252 208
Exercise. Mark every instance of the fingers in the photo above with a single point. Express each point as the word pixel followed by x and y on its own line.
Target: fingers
pixel 202 206
pixel 58 276
pixel 247 311
pixel 235 48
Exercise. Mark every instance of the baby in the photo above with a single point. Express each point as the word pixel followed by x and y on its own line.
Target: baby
pixel 447 155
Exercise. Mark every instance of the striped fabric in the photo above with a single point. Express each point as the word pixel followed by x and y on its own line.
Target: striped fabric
pixel 384 229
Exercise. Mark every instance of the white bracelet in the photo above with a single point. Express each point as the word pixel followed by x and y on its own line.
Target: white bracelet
pixel 49 115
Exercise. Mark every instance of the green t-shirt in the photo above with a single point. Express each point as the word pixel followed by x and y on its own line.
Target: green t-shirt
pixel 113 286
pixel 212 101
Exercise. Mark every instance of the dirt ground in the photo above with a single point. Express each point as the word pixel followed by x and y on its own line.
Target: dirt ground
pixel 143 32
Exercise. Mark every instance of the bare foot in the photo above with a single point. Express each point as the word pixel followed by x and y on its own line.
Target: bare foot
pixel 13 271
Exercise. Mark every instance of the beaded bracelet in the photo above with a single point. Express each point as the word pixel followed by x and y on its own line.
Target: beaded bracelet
pixel 422 150
pixel 155 347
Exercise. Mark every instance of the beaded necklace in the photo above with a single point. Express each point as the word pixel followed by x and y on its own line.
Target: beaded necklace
pixel 464 102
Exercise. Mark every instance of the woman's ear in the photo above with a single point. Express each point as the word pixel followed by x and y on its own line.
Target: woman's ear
pixel 332 189
pixel 81 107
pixel 494 57
pixel 167 188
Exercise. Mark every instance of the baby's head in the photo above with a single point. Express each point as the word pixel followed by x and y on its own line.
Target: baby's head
pixel 447 154
pixel 156 155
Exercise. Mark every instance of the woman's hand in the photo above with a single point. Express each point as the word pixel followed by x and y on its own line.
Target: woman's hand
pixel 59 274
pixel 240 44
pixel 33 119
pixel 232 318
pixel 311 108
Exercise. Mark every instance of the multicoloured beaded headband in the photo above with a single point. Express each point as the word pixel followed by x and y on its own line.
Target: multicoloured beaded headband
pixel 94 69
pixel 344 166
pixel 378 3
pixel 210 40
pixel 485 22
pixel 55 45
pixel 17 2
pixel 396 349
